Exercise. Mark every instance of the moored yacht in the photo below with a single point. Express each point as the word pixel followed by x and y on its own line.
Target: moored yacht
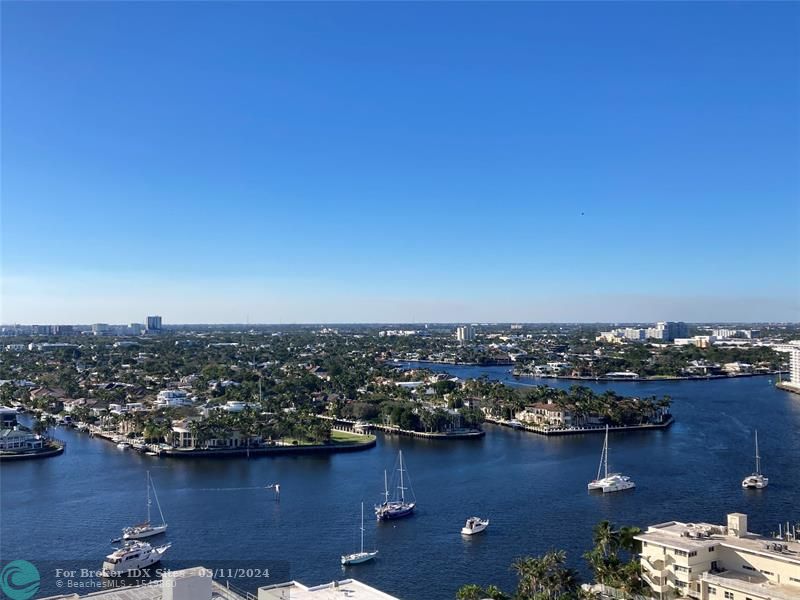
pixel 398 507
pixel 131 557
pixel 609 482
pixel 359 557
pixel 146 529
pixel 756 480
pixel 474 525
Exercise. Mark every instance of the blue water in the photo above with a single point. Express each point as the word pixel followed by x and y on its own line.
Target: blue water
pixel 533 489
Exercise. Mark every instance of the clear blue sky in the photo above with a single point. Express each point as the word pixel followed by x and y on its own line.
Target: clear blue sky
pixel 224 162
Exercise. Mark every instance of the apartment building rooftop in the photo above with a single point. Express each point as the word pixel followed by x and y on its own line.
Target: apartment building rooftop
pixel 690 537
pixel 755 586
pixel 348 589
pixel 196 583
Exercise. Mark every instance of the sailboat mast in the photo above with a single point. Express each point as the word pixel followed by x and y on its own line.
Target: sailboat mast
pixel 758 458
pixel 362 528
pixel 605 453
pixel 385 486
pixel 148 497
pixel 402 489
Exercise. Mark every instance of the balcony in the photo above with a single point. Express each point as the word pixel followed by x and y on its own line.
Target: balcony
pixel 657 584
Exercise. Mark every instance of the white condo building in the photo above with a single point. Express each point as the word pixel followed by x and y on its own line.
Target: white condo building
pixel 717 562
pixel 465 333
pixel 794 364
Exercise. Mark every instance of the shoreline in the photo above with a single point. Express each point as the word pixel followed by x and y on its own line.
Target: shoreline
pixel 272 450
pixel 239 452
pixel 788 387
pixel 653 379
pixel 547 432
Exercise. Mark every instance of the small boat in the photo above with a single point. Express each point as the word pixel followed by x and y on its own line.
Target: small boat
pixel 515 424
pixel 123 445
pixel 610 482
pixel 132 556
pixel 474 525
pixel 398 507
pixel 151 453
pixel 359 557
pixel 756 481
pixel 146 529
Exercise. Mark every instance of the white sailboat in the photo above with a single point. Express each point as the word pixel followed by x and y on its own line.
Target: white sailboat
pixel 756 480
pixel 146 529
pixel 609 482
pixel 359 557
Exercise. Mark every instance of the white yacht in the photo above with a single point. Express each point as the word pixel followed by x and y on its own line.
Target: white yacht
pixel 132 556
pixel 359 557
pixel 609 482
pixel 756 480
pixel 474 525
pixel 146 529
pixel 123 445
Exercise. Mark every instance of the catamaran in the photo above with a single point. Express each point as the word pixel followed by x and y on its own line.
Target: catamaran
pixel 756 480
pixel 398 507
pixel 359 557
pixel 132 557
pixel 146 529
pixel 610 482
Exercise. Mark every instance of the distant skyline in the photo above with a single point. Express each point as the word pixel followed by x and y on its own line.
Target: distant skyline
pixel 400 162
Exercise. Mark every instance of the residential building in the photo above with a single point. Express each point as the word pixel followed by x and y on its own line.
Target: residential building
pixel 716 562
pixel 8 417
pixel 701 341
pixel 153 324
pixel 19 439
pixel 101 329
pixel 465 333
pixel 794 363
pixel 546 415
pixel 173 398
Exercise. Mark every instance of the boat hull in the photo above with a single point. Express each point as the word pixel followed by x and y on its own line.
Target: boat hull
pixel 478 528
pixel 384 513
pixel 358 558
pixel 154 556
pixel 145 533
pixel 755 483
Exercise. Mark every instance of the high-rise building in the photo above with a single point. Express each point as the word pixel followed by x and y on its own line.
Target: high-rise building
pixel 465 333
pixel 794 366
pixel 672 330
pixel 153 324
pixel 101 329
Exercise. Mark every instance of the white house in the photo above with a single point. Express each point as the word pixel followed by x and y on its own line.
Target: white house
pixel 173 398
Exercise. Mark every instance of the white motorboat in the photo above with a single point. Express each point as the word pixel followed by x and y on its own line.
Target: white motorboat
pixel 123 445
pixel 146 529
pixel 359 557
pixel 131 557
pixel 399 507
pixel 474 525
pixel 609 482
pixel 756 480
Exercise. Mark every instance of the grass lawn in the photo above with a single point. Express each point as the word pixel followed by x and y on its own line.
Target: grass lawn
pixel 345 437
